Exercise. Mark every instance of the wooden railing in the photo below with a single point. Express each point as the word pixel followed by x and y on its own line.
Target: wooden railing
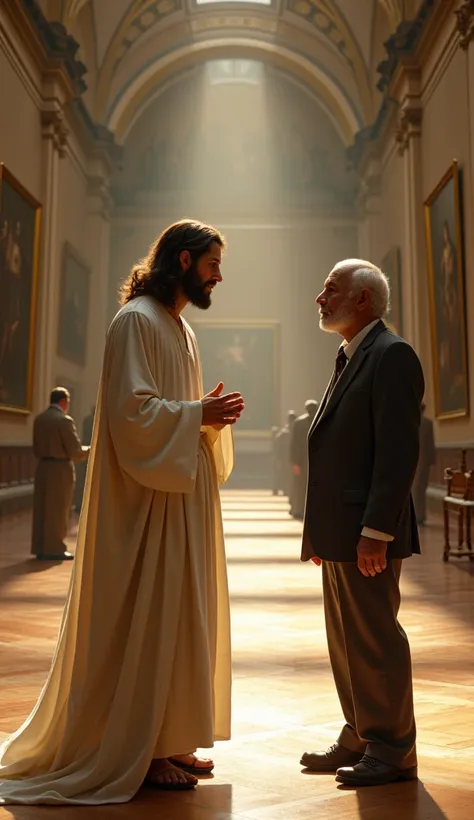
pixel 17 470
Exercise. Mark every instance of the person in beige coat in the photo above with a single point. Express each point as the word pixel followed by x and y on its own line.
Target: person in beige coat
pixel 141 677
pixel 56 445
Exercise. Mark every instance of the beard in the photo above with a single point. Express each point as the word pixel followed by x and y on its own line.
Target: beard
pixel 195 289
pixel 334 321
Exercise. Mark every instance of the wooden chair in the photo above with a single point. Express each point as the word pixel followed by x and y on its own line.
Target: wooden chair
pixel 459 500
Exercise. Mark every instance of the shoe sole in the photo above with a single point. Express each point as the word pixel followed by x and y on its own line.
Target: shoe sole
pixel 329 770
pixel 406 774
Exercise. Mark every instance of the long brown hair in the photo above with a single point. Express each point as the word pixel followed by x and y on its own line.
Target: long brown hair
pixel 159 274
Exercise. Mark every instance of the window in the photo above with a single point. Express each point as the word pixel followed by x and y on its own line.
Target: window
pixel 258 2
pixel 234 71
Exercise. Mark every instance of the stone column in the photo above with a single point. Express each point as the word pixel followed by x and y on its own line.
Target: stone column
pixel 99 206
pixel 54 133
pixel 369 210
pixel 415 290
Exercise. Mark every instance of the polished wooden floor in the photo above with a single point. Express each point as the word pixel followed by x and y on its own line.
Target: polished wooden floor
pixel 284 699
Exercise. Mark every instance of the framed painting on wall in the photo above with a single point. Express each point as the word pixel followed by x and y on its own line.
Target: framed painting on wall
pixel 73 307
pixel 20 226
pixel 444 252
pixel 391 266
pixel 243 355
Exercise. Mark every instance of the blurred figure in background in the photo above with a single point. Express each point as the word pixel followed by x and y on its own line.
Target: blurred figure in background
pixel 275 476
pixel 426 460
pixel 56 445
pixel 282 447
pixel 299 458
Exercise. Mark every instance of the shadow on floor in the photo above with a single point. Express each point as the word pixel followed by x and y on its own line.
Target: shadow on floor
pixel 418 803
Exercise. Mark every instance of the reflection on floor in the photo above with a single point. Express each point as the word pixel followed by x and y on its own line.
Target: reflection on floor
pixel 284 700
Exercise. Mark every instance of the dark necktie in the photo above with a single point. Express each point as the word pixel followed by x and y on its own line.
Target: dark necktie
pixel 341 361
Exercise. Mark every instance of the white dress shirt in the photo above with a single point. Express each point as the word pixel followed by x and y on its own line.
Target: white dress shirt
pixel 349 349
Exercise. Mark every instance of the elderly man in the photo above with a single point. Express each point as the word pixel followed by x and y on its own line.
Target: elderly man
pixel 360 524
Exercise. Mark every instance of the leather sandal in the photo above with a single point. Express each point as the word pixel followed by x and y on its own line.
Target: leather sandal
pixel 195 770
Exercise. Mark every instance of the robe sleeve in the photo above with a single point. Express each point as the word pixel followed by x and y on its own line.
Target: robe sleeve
pixel 156 441
pixel 222 443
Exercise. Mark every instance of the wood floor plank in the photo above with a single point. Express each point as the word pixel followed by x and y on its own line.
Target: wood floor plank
pixel 284 698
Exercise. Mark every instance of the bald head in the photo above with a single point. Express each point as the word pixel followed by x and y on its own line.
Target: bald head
pixel 355 293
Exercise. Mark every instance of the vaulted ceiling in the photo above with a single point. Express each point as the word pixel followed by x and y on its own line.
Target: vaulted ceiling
pixel 133 47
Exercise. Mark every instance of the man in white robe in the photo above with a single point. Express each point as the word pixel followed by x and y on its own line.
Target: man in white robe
pixel 142 669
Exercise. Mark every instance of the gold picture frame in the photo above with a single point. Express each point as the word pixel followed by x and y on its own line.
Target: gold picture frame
pixel 445 265
pixel 20 230
pixel 244 354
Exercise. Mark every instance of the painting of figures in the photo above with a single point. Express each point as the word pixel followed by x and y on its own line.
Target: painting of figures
pixel 20 217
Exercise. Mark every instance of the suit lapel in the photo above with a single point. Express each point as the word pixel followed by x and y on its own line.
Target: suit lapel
pixel 332 399
pixel 322 406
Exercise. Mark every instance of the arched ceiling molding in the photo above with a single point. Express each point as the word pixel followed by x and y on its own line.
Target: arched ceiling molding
pixel 179 76
pixel 327 18
pixel 332 96
pixel 394 11
pixel 71 9
pixel 324 15
pixel 140 15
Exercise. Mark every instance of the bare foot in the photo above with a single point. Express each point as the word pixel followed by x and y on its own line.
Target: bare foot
pixel 191 761
pixel 166 776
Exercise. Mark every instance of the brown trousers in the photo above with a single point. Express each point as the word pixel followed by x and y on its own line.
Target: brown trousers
pixel 54 488
pixel 370 659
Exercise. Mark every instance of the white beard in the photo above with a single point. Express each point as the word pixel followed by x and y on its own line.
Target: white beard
pixel 332 323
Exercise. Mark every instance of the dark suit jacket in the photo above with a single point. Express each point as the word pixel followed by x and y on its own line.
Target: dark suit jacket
pixel 363 452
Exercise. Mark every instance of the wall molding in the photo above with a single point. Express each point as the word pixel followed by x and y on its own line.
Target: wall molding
pixel 408 52
pixel 465 23
pixel 43 55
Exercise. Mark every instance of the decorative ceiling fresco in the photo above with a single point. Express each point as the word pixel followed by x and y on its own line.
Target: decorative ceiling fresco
pixel 331 47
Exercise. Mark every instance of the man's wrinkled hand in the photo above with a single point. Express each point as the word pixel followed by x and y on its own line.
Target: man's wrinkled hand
pixel 371 556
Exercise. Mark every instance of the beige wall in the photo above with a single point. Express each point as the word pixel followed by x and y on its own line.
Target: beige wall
pixel 446 137
pixel 72 213
pixel 447 98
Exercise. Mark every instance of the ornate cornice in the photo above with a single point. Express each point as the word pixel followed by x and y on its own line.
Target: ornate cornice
pixel 399 79
pixel 366 139
pixel 403 43
pixel 58 45
pixel 59 82
pixel 54 128
pixel 409 124
pixel 96 139
pixel 465 23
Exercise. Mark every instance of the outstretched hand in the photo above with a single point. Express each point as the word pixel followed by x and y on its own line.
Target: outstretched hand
pixel 219 409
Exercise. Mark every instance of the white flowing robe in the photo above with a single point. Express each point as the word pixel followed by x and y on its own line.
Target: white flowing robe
pixel 142 667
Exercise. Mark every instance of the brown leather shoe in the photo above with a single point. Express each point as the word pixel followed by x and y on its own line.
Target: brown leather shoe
pixel 372 772
pixel 330 760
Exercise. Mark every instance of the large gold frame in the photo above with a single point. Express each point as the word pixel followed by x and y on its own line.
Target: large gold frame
pixel 239 324
pixel 451 174
pixel 6 175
